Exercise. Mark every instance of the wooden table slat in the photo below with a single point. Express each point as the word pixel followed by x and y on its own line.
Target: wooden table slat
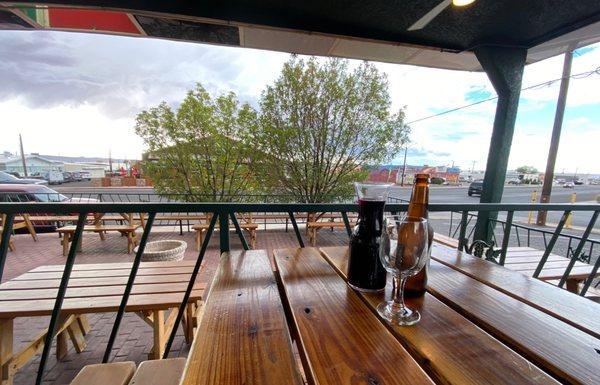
pixel 342 341
pixel 102 281
pixel 97 291
pixel 13 309
pixel 30 276
pixel 243 338
pixel 450 347
pixel 113 266
pixel 564 351
pixel 572 309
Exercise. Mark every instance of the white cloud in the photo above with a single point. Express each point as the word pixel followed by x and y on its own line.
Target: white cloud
pixel 77 94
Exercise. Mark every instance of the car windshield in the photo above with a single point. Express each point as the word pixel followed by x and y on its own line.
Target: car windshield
pixel 5 177
pixel 45 194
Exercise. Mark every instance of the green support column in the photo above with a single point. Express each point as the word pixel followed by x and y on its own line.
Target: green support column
pixel 504 67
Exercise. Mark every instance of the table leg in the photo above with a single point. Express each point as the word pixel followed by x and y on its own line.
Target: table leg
pixel 65 243
pixel 6 351
pixel 158 321
pixel 573 285
pixel 84 325
pixel 30 227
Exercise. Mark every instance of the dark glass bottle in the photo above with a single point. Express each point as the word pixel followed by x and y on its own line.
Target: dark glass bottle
pixel 417 208
pixel 365 271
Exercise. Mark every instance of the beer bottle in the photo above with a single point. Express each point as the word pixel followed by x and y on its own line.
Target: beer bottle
pixel 417 208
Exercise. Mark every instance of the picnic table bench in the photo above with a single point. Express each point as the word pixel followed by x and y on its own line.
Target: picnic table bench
pixel 96 288
pixel 127 230
pixel 201 228
pixel 474 329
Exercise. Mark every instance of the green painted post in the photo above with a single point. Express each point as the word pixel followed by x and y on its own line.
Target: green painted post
pixel 504 67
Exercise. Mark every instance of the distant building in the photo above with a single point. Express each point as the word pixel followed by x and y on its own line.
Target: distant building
pixel 35 164
pixel 393 173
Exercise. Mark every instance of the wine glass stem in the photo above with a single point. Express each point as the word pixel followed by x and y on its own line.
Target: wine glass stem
pixel 398 296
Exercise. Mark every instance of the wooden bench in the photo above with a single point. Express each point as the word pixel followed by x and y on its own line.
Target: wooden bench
pixel 243 336
pixel 313 227
pixel 127 230
pixel 201 228
pixel 21 222
pixel 160 372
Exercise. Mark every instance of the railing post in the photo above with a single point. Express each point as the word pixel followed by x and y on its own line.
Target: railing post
pixel 60 296
pixel 580 246
pixel 346 223
pixel 505 239
pixel 296 230
pixel 550 245
pixel 223 231
pixel 463 231
pixel 590 278
pixel 191 283
pixel 239 231
pixel 129 285
pixel 7 226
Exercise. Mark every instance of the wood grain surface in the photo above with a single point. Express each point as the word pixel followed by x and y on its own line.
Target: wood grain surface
pixel 342 341
pixel 243 338
pixel 451 348
pixel 566 352
pixel 572 309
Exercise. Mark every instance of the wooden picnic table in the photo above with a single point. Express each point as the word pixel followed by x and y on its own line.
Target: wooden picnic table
pixel 95 288
pixel 526 260
pixel 476 328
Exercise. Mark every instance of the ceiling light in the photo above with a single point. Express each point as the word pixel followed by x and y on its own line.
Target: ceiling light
pixel 461 3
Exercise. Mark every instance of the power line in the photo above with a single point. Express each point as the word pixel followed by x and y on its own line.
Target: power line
pixel 547 83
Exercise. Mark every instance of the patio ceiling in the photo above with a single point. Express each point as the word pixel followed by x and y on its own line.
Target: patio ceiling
pixel 371 30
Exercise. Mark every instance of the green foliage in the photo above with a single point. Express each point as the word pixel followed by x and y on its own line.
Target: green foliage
pixel 321 124
pixel 527 170
pixel 203 149
pixel 436 180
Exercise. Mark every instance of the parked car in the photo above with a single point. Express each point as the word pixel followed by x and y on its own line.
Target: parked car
pixel 6 178
pixel 53 177
pixel 36 193
pixel 475 188
pixel 68 176
pixel 86 175
pixel 569 185
pixel 515 182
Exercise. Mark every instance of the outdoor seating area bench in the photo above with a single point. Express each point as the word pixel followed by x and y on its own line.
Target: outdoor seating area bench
pixel 159 372
pixel 155 297
pixel 313 227
pixel 126 230
pixel 201 228
pixel 243 336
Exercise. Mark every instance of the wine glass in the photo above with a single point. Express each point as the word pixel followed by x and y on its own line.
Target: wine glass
pixel 403 253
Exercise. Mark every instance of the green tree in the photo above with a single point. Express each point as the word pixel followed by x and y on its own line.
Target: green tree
pixel 202 149
pixel 321 123
pixel 527 170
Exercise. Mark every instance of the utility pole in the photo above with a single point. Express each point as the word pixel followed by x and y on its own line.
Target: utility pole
pixel 473 170
pixel 110 162
pixel 23 156
pixel 554 141
pixel 404 167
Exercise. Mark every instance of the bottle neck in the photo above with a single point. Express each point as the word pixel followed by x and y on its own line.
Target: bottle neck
pixel 419 201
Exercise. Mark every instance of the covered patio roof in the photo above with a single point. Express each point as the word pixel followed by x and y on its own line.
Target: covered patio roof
pixel 370 30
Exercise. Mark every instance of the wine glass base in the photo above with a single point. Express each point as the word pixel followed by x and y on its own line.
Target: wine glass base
pixel 398 316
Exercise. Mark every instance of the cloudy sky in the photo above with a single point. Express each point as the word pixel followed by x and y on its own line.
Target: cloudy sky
pixel 78 94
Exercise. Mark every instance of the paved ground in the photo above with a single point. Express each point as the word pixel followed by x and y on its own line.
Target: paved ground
pixel 135 337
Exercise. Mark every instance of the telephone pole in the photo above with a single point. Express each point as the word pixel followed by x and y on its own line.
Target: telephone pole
pixel 554 141
pixel 404 167
pixel 23 156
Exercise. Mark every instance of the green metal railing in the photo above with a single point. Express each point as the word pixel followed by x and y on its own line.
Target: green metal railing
pixel 223 213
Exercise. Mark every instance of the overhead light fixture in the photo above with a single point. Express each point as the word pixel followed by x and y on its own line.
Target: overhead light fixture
pixel 461 3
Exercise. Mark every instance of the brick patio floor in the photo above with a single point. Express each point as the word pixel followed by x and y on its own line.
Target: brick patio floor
pixel 135 336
